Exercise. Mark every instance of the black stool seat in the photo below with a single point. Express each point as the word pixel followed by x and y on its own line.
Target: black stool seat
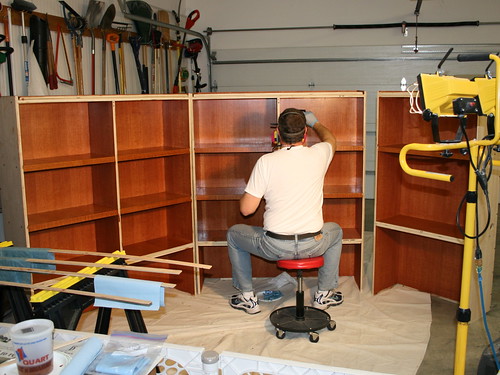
pixel 300 318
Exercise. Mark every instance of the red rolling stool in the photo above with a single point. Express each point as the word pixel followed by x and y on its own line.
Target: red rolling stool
pixel 300 318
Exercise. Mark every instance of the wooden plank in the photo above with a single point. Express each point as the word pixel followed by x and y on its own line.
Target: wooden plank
pixel 102 265
pixel 63 273
pixel 132 257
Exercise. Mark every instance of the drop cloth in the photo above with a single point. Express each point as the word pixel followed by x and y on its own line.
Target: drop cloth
pixel 385 333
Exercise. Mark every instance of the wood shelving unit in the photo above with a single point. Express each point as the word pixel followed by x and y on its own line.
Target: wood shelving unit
pixel 416 240
pixel 231 131
pixel 100 174
pixel 162 174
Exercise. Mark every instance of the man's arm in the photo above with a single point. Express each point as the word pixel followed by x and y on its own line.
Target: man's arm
pixel 325 135
pixel 249 204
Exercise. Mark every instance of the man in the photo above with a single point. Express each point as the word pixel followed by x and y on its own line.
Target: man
pixel 291 182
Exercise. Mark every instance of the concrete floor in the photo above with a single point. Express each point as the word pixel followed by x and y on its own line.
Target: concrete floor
pixel 440 355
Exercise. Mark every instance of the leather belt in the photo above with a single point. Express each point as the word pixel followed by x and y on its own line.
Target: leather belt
pixel 292 236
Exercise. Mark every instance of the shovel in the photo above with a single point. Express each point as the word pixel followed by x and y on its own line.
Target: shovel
pixel 106 22
pixel 94 9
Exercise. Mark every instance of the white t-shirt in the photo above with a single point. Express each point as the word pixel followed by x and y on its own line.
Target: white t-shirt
pixel 291 182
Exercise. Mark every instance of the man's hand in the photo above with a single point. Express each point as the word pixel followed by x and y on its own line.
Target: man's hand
pixel 310 119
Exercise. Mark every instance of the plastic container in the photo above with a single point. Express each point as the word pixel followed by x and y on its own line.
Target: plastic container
pixel 32 341
pixel 210 362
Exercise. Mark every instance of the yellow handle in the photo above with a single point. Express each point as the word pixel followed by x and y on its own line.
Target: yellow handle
pixel 420 173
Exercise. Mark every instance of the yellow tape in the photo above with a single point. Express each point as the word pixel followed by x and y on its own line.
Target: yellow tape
pixel 72 280
pixel 6 244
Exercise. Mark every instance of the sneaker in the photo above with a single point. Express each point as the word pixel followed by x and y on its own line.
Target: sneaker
pixel 250 305
pixel 323 300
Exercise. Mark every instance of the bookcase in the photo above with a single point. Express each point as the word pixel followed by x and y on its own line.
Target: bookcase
pixel 416 240
pixel 99 174
pixel 162 175
pixel 231 131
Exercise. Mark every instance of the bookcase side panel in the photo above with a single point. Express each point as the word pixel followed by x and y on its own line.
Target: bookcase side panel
pixel 11 177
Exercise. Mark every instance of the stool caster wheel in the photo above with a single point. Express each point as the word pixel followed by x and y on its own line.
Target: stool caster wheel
pixel 331 325
pixel 313 336
pixel 280 333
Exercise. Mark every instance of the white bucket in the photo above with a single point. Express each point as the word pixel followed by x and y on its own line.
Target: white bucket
pixel 33 345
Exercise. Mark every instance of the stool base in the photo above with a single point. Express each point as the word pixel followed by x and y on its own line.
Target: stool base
pixel 284 319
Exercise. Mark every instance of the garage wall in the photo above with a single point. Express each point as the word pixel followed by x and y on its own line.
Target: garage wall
pixel 292 45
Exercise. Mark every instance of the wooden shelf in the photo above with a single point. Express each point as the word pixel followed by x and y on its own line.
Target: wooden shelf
pixel 221 148
pixel 423 227
pixel 69 216
pixel 218 237
pixel 235 193
pixel 151 152
pixel 219 193
pixel 346 146
pixel 259 147
pixel 342 191
pixel 69 161
pixel 150 201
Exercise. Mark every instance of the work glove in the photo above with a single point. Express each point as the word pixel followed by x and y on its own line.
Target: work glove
pixel 310 119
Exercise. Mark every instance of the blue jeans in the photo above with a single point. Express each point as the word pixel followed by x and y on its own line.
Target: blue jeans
pixel 243 240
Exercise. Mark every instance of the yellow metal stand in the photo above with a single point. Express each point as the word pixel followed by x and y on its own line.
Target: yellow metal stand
pixel 464 306
pixel 463 314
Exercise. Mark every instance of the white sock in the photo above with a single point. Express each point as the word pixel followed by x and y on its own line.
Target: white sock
pixel 248 295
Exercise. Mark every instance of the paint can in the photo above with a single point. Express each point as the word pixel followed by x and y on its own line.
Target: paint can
pixel 33 345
